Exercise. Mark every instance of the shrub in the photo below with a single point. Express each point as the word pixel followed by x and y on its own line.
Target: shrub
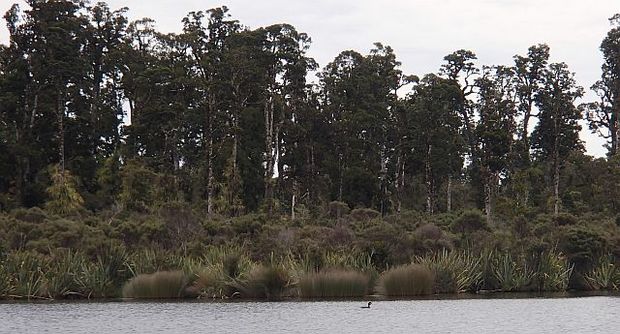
pixel 365 214
pixel 470 221
pixel 604 276
pixel 429 232
pixel 159 285
pixel 564 219
pixel 408 280
pixel 509 274
pixel 264 282
pixel 337 209
pixel 336 283
pixel 453 271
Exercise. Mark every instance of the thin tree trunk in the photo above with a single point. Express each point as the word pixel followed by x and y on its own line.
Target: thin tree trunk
pixel 61 134
pixel 556 183
pixel 399 162
pixel 428 174
pixel 340 175
pixel 268 113
pixel 449 194
pixel 209 152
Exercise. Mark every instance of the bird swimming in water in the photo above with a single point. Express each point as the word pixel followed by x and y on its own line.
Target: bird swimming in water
pixel 367 306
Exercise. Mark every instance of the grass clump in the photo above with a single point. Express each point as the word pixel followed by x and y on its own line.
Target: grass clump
pixel 407 280
pixel 336 283
pixel 159 285
pixel 264 281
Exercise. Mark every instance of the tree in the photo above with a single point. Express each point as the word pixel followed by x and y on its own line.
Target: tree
pixel 495 129
pixel 437 131
pixel 557 132
pixel 528 80
pixel 208 44
pixel 604 116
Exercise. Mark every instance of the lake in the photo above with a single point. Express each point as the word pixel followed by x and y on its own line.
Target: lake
pixel 600 314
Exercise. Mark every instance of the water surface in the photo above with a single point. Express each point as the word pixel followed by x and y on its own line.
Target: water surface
pixel 541 315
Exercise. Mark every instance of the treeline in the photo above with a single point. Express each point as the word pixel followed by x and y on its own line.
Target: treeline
pixel 100 113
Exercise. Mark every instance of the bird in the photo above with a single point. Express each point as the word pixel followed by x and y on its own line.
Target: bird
pixel 367 306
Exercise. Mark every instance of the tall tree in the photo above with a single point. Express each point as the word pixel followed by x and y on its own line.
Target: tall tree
pixel 604 116
pixel 528 80
pixel 557 132
pixel 208 42
pixel 495 129
pixel 437 135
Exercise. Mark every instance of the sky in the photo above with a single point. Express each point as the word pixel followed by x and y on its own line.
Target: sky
pixel 421 32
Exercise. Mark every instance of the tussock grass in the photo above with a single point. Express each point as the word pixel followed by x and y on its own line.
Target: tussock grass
pixel 335 283
pixel 408 280
pixel 159 285
pixel 263 281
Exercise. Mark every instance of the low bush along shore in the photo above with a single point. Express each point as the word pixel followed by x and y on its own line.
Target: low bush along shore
pixel 228 272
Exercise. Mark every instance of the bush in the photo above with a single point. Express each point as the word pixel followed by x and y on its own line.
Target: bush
pixel 364 214
pixel 264 282
pixel 409 280
pixel 336 283
pixel 470 221
pixel 564 219
pixel 338 209
pixel 159 285
pixel 453 271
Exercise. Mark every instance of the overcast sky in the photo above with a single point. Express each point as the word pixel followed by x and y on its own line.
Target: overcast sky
pixel 420 31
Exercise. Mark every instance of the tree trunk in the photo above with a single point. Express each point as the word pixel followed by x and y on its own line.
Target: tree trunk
pixel 340 175
pixel 489 186
pixel 613 128
pixel 556 167
pixel 449 194
pixel 428 174
pixel 556 183
pixel 397 179
pixel 268 113
pixel 61 133
pixel 209 152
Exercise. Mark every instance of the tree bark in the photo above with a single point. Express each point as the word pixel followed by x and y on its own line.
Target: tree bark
pixel 428 174
pixel 449 194
pixel 61 133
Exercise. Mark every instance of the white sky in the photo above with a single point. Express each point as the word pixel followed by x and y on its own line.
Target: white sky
pixel 420 31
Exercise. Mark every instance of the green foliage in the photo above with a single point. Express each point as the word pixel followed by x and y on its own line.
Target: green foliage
pixel 137 186
pixel 605 275
pixel 510 274
pixel 453 271
pixel 469 222
pixel 63 193
pixel 407 280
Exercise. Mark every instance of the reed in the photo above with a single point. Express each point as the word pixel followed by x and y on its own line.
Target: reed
pixel 334 283
pixel 407 280
pixel 159 285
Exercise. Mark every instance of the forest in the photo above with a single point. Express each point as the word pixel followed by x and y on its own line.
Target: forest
pixel 208 159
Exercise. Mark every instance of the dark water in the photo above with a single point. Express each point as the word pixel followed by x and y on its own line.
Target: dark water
pixel 552 315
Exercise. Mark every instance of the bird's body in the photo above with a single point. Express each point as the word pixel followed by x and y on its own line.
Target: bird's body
pixel 367 306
